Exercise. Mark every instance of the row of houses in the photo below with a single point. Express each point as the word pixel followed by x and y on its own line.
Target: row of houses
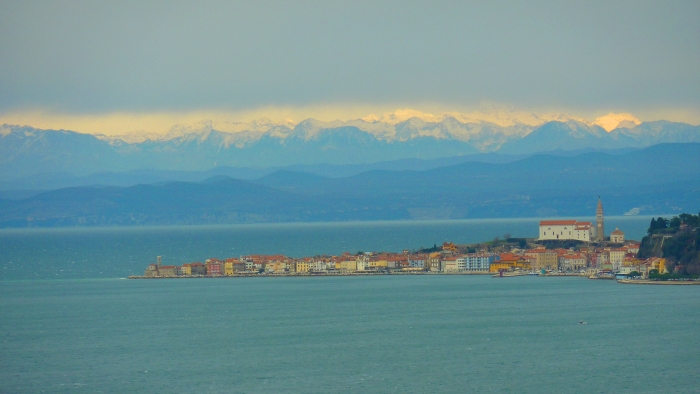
pixel 448 260
pixel 606 258
pixel 345 263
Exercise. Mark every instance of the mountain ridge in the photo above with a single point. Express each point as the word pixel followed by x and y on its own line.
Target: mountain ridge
pixel 26 151
pixel 540 185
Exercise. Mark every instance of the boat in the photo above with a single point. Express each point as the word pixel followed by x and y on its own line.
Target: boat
pixel 508 274
pixel 582 323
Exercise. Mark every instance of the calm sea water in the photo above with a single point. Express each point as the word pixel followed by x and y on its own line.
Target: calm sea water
pixel 118 252
pixel 68 325
pixel 409 334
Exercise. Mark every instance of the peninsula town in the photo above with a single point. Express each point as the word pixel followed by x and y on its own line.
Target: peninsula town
pixel 564 248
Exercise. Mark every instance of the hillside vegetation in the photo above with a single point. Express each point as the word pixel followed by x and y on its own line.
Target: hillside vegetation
pixel 677 240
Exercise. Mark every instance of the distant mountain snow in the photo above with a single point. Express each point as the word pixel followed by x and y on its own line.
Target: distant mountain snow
pixel 202 146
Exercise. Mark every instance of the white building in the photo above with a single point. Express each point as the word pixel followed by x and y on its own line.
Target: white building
pixel 565 230
pixel 317 266
pixel 416 262
pixel 453 264
pixel 479 262
pixel 362 263
pixel 573 262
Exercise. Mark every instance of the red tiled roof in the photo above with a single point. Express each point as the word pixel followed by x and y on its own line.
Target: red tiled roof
pixel 557 222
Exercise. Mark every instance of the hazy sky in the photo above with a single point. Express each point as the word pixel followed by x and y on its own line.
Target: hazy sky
pixel 102 60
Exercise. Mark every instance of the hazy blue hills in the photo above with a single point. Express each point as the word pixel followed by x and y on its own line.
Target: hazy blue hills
pixel 661 179
pixel 26 152
pixel 31 184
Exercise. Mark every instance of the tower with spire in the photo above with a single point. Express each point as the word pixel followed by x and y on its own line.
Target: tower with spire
pixel 600 225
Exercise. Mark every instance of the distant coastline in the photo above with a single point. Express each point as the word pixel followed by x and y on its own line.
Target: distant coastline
pixel 658 282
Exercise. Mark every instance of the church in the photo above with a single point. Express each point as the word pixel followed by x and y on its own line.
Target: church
pixel 562 230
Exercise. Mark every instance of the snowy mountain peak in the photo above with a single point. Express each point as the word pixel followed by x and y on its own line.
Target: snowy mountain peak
pixel 613 121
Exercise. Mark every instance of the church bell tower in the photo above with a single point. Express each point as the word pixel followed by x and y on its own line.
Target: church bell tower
pixel 600 225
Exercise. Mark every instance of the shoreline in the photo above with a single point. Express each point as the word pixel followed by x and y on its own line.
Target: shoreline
pixel 658 282
pixel 307 275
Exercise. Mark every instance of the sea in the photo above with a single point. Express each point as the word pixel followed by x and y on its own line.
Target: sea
pixel 117 252
pixel 78 327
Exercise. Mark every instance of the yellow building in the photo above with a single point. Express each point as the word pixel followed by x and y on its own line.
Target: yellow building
pixel 378 264
pixel 228 268
pixel 450 247
pixel 348 265
pixel 658 264
pixel 509 262
pixel 185 270
pixel 302 266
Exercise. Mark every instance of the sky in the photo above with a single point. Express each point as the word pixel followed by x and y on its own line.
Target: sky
pixel 124 66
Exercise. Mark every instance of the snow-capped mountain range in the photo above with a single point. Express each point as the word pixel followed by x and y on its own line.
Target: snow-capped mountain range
pixel 401 125
pixel 264 143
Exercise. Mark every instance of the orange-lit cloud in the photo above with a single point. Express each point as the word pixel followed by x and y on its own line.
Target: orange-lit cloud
pixel 159 123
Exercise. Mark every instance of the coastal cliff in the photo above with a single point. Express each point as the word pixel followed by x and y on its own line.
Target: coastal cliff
pixel 677 240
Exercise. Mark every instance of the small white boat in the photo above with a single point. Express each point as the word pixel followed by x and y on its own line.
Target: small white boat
pixel 583 323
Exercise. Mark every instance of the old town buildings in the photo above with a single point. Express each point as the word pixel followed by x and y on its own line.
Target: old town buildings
pixel 453 260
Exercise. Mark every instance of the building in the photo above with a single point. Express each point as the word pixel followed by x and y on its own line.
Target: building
pixel 185 270
pixel 573 262
pixel 417 261
pixel 198 268
pixel 151 271
pixel 215 268
pixel 259 265
pixel 509 262
pixel 167 271
pixel 302 266
pixel 378 262
pixel 617 256
pixel 453 264
pixel 318 266
pixel 478 262
pixel 617 236
pixel 542 259
pixel 657 263
pixel 559 230
pixel 434 262
pixel 397 261
pixel 632 248
pixel 347 265
pixel 362 263
pixel 600 222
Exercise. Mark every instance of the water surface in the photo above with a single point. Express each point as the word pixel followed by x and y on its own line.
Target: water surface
pixel 122 251
pixel 408 334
